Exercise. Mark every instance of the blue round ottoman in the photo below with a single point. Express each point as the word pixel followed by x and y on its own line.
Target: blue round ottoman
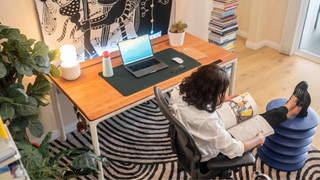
pixel 287 149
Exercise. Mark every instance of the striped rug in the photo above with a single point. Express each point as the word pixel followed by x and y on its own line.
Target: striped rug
pixel 137 145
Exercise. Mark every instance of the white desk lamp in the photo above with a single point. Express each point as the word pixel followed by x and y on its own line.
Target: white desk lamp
pixel 70 67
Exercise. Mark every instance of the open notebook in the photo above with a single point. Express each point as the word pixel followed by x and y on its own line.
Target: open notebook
pixel 193 53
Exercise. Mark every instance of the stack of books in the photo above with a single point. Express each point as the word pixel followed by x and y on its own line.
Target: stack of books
pixel 11 166
pixel 223 23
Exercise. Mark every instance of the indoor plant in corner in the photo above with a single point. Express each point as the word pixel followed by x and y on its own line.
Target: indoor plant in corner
pixel 176 33
pixel 18 58
pixel 42 163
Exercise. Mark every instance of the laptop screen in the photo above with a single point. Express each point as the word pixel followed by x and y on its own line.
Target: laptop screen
pixel 136 49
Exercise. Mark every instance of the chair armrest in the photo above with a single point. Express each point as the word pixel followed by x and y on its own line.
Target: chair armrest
pixel 221 163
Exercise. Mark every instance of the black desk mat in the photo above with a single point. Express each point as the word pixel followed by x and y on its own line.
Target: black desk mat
pixel 127 84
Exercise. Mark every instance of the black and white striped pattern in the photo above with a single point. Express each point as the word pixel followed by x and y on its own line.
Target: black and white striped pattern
pixel 63 31
pixel 137 145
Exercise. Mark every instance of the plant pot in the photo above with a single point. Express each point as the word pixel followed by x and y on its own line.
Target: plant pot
pixel 176 39
pixel 35 144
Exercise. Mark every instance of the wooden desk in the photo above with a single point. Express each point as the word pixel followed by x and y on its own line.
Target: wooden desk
pixel 98 101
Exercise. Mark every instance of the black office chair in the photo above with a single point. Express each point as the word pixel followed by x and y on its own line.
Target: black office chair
pixel 182 144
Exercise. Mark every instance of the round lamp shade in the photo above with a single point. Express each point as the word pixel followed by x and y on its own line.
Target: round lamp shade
pixel 70 67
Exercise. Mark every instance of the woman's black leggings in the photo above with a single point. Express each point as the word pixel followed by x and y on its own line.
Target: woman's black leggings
pixel 276 116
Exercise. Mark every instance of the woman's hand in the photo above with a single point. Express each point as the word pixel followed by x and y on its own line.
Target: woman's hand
pixel 229 98
pixel 254 142
pixel 260 138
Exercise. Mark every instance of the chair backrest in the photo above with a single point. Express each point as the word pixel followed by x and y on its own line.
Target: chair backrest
pixel 182 142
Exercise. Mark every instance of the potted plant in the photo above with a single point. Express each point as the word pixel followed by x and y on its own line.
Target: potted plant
pixel 18 58
pixel 176 33
pixel 41 163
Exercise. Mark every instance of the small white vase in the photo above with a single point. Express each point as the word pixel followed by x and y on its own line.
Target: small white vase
pixel 176 39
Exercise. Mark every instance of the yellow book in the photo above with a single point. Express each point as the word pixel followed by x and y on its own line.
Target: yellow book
pixel 229 47
pixel 3 132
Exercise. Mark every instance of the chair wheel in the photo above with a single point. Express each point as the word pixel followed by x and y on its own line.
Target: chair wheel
pixel 236 170
pixel 227 175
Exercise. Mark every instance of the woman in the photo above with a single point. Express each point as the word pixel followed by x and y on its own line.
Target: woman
pixel 194 103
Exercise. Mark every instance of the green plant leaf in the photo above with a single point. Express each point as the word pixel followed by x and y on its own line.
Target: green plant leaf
pixel 19 124
pixel 54 71
pixel 42 60
pixel 5 99
pixel 19 134
pixel 23 36
pixel 3 70
pixel 10 58
pixel 54 55
pixel 84 172
pixel 23 68
pixel 80 150
pixel 39 79
pixel 40 69
pixel 34 116
pixel 42 87
pixel 31 61
pixel 25 44
pixel 10 34
pixel 29 88
pixel 43 99
pixel 8 69
pixel 35 128
pixel 8 47
pixel 88 160
pixel 14 86
pixel 19 96
pixel 184 25
pixel 26 109
pixel 60 155
pixel 44 146
pixel 40 49
pixel 23 53
pixel 29 152
pixel 2 27
pixel 6 111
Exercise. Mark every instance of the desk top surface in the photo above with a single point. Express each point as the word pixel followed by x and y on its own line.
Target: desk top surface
pixel 96 98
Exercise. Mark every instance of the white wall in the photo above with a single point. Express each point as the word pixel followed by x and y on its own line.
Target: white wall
pixel 196 13
pixel 262 21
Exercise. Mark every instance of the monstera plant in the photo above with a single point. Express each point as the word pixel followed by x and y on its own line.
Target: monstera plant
pixel 20 57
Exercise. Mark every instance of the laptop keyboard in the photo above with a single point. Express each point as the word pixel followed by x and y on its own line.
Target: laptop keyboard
pixel 143 65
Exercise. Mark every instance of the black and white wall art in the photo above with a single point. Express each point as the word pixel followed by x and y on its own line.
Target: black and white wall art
pixel 94 26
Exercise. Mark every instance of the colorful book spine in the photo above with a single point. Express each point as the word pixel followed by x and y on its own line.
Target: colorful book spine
pixel 223 23
pixel 3 130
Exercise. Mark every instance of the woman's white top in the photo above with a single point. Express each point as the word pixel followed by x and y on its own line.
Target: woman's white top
pixel 206 128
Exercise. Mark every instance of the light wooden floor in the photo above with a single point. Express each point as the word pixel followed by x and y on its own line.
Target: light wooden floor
pixel 267 74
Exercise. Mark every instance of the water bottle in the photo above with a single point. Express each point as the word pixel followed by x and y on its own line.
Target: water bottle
pixel 106 65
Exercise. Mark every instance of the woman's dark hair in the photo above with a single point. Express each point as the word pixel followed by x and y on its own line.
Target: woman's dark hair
pixel 206 86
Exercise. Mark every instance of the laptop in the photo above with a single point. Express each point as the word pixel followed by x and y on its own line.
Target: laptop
pixel 137 56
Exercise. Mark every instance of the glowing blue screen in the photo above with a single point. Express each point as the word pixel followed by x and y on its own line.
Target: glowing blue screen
pixel 135 49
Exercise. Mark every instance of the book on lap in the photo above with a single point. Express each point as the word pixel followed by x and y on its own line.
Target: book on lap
pixel 241 118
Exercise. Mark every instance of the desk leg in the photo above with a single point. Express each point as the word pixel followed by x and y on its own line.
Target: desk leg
pixel 58 111
pixel 233 77
pixel 95 143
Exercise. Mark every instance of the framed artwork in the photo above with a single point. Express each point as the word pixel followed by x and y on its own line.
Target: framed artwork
pixel 94 26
